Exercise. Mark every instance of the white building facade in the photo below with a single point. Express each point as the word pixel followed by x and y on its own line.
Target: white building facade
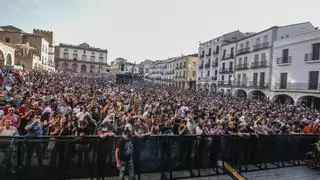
pixel 295 70
pixel 254 60
pixel 81 58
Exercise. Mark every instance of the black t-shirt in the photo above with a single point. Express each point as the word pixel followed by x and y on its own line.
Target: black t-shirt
pixel 229 130
pixel 125 149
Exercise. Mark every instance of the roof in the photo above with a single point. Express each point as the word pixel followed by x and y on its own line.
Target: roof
pixel 83 46
pixel 11 28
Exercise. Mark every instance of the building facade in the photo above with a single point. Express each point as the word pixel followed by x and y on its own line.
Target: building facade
pixel 28 48
pixel 49 64
pixel 81 58
pixel 295 70
pixel 7 56
pixel 209 60
pixel 186 72
pixel 254 60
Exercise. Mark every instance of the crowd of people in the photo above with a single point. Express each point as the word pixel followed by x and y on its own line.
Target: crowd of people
pixel 66 104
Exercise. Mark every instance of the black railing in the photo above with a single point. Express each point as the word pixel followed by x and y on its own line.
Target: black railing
pixel 227 56
pixel 202 56
pixel 215 64
pixel 258 85
pixel 207 65
pixel 260 46
pixel 240 84
pixel 284 60
pixel 226 71
pixel 215 52
pixel 164 156
pixel 208 55
pixel 298 86
pixel 241 66
pixel 310 57
pixel 214 78
pixel 243 50
pixel 259 64
pixel 201 66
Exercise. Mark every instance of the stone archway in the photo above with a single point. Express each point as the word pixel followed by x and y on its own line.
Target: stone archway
pixel 74 67
pixel 214 87
pixel 9 59
pixel 199 87
pixel 83 68
pixel 65 66
pixel 1 59
pixel 92 68
pixel 241 93
pixel 257 95
pixel 310 101
pixel 283 99
pixel 206 87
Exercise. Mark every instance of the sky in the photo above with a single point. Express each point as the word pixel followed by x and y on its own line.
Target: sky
pixel 152 29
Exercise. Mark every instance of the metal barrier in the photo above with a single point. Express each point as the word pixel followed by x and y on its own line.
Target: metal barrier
pixel 167 157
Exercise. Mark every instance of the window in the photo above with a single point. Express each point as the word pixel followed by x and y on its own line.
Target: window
pixel 256 58
pixel 184 65
pixel 101 54
pixel 184 74
pixel 283 80
pixel 231 66
pixel 84 51
pixel 241 46
pixel 287 36
pixel 244 79
pixel 247 44
pixel 208 73
pixel 263 56
pixel 257 41
pixel 265 38
pixel 223 65
pixel 201 74
pixel 313 80
pixel 92 58
pixel 75 56
pixel 240 60
pixel 285 55
pixel 65 49
pixel 7 39
pixel 209 51
pixel 222 79
pixel 100 59
pixel 215 72
pixel 193 73
pixel 92 53
pixel 245 60
pixel 217 50
pixel 262 78
pixel 75 50
pixel 84 57
pixel 282 37
pixel 232 52
pixel 229 80
pixel 224 54
pixel 316 51
pixel 65 55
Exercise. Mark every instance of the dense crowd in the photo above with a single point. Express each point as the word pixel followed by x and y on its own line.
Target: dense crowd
pixel 65 104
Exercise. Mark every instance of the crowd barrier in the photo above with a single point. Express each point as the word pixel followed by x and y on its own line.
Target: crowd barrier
pixel 166 157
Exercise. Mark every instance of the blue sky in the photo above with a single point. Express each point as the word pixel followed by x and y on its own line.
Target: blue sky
pixel 152 29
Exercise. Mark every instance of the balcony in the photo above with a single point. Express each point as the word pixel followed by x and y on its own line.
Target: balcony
pixel 208 55
pixel 207 65
pixel 260 46
pixel 240 84
pixel 227 56
pixel 243 50
pixel 311 58
pixel 298 86
pixel 241 67
pixel 258 85
pixel 201 56
pixel 203 78
pixel 259 64
pixel 226 71
pixel 225 83
pixel 215 52
pixel 201 66
pixel 284 60
pixel 215 64
pixel 214 78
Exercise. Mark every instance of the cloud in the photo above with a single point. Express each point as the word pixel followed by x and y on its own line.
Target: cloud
pixel 14 7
